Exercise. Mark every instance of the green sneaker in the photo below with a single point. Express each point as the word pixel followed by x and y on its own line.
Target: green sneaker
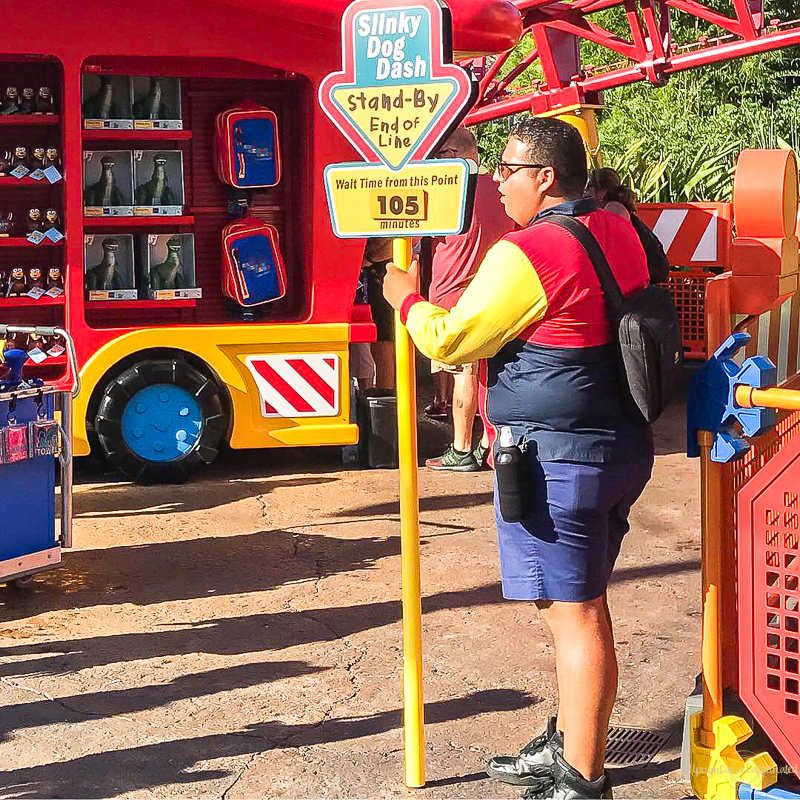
pixel 453 461
pixel 479 454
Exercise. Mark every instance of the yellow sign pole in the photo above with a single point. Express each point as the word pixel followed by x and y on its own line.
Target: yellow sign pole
pixel 413 709
pixel 399 109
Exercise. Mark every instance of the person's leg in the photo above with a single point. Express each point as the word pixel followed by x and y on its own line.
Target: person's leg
pixel 465 404
pixel 442 388
pixel 383 317
pixel 383 354
pixel 586 668
pixel 442 391
pixel 584 712
pixel 362 365
pixel 575 523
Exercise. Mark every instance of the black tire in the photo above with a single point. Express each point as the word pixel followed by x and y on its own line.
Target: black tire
pixel 117 394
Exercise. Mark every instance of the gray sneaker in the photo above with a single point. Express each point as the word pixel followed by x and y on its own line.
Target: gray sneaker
pixel 568 784
pixel 480 453
pixel 534 765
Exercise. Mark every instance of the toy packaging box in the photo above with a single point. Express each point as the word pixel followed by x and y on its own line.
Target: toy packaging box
pixel 156 103
pixel 108 183
pixel 253 269
pixel 109 267
pixel 167 270
pixel 158 182
pixel 246 147
pixel 106 102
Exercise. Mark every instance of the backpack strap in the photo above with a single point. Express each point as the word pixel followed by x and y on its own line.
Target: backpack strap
pixel 608 283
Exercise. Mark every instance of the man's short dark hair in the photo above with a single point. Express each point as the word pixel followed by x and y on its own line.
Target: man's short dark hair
pixel 556 144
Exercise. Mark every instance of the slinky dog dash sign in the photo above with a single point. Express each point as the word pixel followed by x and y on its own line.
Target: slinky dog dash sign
pixel 396 98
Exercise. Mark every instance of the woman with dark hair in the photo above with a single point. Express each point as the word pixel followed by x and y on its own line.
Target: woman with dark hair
pixel 608 191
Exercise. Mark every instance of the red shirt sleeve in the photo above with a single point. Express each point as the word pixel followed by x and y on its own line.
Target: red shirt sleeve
pixel 411 300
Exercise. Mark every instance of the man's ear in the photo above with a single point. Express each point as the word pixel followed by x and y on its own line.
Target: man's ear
pixel 546 179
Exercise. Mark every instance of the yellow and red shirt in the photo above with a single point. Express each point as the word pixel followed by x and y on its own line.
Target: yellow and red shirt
pixel 536 312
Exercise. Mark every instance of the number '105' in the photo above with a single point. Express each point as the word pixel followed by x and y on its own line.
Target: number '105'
pixel 398 205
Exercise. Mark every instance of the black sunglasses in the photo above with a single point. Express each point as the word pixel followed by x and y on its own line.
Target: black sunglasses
pixel 505 171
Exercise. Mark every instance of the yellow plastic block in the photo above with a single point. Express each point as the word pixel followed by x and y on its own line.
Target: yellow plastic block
pixel 717 770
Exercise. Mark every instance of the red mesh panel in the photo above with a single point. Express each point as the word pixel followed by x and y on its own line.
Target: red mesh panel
pixel 766 484
pixel 688 288
pixel 769 598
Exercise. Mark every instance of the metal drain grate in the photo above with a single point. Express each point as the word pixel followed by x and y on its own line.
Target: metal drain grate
pixel 629 747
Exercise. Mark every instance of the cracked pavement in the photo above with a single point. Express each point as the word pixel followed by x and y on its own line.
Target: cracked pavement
pixel 240 636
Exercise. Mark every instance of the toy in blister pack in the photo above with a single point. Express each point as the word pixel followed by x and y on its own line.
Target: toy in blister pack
pixel 254 272
pixel 246 145
pixel 13 441
pixel 43 439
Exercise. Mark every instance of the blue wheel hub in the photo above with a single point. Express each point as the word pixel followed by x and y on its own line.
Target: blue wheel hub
pixel 161 422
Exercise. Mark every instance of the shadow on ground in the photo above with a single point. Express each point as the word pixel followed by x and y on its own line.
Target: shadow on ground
pixel 115 772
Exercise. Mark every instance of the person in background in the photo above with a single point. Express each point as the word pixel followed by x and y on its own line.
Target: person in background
pixel 608 191
pixel 362 364
pixel 377 254
pixel 536 311
pixel 455 261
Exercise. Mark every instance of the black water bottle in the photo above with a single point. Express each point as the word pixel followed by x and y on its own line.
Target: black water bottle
pixel 508 465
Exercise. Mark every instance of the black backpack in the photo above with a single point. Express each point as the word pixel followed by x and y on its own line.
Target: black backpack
pixel 649 336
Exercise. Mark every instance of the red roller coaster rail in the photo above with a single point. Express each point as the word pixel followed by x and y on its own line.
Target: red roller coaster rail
pixel 649 53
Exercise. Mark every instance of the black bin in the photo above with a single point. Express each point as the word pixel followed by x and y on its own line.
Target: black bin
pixel 376 411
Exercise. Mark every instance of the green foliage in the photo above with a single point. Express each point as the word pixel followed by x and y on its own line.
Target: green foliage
pixel 680 142
pixel 492 138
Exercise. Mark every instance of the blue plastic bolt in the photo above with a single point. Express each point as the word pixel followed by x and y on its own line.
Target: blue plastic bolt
pixel 746 792
pixel 712 403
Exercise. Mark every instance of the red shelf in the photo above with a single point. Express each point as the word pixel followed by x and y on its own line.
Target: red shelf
pixel 58 361
pixel 135 222
pixel 19 302
pixel 127 304
pixel 136 135
pixel 21 241
pixel 31 119
pixel 10 180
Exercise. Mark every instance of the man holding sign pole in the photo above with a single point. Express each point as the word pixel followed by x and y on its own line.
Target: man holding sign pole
pixel 536 312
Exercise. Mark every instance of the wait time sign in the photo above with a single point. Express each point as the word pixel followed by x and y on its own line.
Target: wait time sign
pixel 396 98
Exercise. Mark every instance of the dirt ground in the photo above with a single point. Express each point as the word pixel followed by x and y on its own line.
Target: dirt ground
pixel 240 636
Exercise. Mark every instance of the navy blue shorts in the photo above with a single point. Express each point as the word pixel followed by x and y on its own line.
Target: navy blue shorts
pixel 576 518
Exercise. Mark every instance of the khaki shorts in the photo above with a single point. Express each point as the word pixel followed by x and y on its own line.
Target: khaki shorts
pixel 454 369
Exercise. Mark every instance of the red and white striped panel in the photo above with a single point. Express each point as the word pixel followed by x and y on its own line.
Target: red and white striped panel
pixel 297 385
pixel 693 234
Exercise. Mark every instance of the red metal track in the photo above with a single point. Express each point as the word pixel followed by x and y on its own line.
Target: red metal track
pixel 648 50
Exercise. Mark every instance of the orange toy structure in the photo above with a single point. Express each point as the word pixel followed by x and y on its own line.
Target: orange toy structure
pixel 751 562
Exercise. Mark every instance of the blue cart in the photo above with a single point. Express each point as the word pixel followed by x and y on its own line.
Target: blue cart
pixel 32 438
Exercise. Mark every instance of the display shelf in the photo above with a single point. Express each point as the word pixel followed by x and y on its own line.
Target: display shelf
pixel 139 304
pixel 57 361
pixel 136 136
pixel 10 180
pixel 28 302
pixel 33 120
pixel 136 222
pixel 21 241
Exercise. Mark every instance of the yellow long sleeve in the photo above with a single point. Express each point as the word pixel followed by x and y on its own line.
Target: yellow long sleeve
pixel 504 298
